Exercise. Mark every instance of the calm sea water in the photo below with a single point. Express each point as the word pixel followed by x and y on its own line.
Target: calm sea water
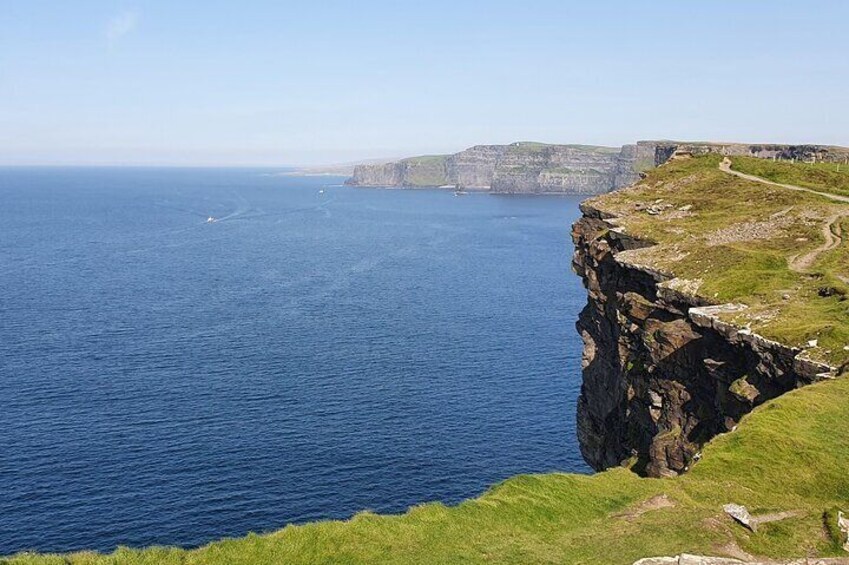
pixel 317 351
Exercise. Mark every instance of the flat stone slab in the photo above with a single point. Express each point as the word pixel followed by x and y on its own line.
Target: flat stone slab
pixel 741 514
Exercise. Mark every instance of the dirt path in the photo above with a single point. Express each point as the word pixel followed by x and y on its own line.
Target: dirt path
pixel 831 231
pixel 833 237
pixel 725 167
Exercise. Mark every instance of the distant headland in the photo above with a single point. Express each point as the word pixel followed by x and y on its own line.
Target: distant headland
pixel 541 168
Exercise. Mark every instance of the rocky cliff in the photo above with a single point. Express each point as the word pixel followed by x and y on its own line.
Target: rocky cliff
pixel 666 367
pixel 526 167
pixel 515 168
pixel 650 154
pixel 661 375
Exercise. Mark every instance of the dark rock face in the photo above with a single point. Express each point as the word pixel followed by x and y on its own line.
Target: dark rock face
pixel 515 168
pixel 661 375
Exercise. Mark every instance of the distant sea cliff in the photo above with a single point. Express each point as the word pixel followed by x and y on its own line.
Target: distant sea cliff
pixel 539 168
pixel 521 167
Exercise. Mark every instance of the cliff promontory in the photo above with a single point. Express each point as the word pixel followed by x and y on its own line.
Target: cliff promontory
pixel 710 292
pixel 516 168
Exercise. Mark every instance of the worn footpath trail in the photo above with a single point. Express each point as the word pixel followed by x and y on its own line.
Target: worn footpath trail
pixel 725 166
pixel 831 231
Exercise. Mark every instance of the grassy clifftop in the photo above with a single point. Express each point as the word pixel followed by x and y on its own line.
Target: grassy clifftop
pixel 426 170
pixel 780 252
pixel 830 177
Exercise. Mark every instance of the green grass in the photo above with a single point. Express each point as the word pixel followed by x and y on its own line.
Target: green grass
pixel 427 159
pixel 789 454
pixel 784 304
pixel 530 147
pixel 825 177
pixel 427 170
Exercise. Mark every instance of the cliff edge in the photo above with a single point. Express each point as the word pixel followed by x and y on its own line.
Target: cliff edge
pixel 708 294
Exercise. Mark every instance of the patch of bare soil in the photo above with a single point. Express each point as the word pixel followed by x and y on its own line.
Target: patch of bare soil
pixel 833 236
pixel 748 231
pixel 653 503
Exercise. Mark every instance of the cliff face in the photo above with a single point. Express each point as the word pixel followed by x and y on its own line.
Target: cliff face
pixel 419 172
pixel 378 174
pixel 474 168
pixel 661 373
pixel 515 168
pixel 565 169
pixel 650 154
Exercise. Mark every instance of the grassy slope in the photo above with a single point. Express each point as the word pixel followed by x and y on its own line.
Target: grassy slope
pixel 784 305
pixel 790 454
pixel 826 177
pixel 522 147
pixel 426 170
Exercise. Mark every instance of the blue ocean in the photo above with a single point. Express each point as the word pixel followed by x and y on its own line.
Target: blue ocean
pixel 189 354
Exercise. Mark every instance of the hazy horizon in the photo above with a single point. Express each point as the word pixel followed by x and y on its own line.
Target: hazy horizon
pixel 117 83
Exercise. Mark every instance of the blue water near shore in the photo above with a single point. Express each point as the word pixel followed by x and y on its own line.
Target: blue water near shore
pixel 164 380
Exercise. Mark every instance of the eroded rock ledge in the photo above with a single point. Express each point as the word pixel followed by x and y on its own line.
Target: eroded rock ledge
pixel 662 374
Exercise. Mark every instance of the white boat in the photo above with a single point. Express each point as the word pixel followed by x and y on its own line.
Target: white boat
pixel 210 219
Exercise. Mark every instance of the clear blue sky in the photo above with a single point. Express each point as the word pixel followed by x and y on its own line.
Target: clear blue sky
pixel 215 82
